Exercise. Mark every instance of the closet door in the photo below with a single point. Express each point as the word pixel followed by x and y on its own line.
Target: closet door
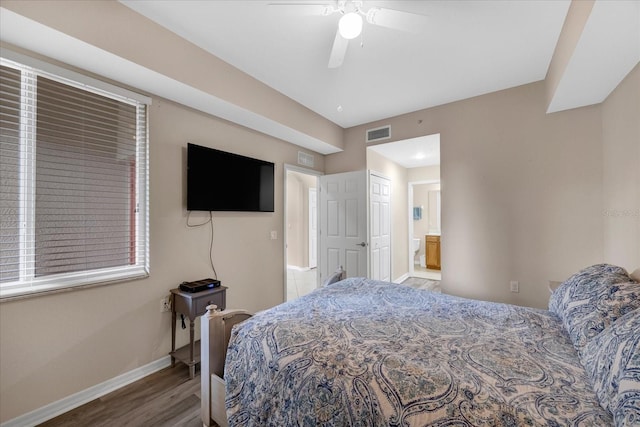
pixel 343 224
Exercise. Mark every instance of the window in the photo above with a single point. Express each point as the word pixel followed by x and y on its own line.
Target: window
pixel 73 175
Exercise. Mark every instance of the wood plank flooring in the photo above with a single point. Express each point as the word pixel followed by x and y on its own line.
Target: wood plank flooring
pixel 420 283
pixel 167 398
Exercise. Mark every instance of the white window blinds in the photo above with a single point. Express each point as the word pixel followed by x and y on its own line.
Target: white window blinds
pixel 73 196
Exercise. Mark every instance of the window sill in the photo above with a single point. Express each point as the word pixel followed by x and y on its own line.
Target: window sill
pixel 69 282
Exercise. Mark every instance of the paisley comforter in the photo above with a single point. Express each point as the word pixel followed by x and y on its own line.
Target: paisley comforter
pixel 370 353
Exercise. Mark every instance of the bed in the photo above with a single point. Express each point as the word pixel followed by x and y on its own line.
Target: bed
pixel 361 352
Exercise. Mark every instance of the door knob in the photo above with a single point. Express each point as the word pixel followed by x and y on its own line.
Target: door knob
pixel 363 244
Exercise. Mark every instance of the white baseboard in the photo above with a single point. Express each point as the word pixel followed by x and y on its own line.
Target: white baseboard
pixel 295 267
pixel 68 403
pixel 402 278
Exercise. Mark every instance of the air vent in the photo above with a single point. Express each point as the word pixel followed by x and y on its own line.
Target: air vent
pixel 379 134
pixel 305 159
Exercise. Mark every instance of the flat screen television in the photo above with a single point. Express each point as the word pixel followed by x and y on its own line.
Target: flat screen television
pixel 221 181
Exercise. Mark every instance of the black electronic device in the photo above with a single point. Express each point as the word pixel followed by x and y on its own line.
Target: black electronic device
pixel 221 181
pixel 199 285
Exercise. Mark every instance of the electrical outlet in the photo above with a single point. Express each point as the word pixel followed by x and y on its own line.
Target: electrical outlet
pixel 165 304
pixel 515 286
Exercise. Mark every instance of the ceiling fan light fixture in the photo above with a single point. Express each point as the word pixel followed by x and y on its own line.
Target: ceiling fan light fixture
pixel 350 25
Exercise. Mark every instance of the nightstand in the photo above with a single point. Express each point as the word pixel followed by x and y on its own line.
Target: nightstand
pixel 192 305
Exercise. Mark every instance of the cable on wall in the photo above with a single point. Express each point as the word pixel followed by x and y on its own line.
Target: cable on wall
pixel 209 221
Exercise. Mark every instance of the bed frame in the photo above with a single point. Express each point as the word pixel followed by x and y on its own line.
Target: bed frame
pixel 215 330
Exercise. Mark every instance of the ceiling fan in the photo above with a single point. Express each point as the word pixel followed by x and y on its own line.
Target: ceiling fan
pixel 351 22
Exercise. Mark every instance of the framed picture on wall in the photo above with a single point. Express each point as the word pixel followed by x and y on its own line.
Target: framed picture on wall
pixel 417 213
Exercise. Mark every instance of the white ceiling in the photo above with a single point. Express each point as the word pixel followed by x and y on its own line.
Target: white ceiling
pixel 609 47
pixel 412 153
pixel 467 49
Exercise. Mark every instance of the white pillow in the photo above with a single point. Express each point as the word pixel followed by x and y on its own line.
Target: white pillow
pixel 636 275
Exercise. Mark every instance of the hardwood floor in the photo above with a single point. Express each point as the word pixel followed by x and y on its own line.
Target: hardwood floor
pixel 420 283
pixel 165 398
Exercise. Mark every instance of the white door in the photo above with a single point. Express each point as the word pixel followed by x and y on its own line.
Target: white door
pixel 313 228
pixel 343 224
pixel 380 227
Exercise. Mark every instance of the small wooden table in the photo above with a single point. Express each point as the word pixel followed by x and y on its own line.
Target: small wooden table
pixel 192 305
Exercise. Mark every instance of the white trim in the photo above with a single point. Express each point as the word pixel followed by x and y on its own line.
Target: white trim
pixel 402 278
pixel 294 168
pixel 380 175
pixel 54 282
pixel 313 197
pixel 68 403
pixel 143 188
pixel 296 268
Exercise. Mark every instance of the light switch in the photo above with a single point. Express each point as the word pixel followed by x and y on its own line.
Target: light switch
pixel 515 286
pixel 274 235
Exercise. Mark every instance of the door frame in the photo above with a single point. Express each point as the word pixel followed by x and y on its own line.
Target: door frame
pixel 306 171
pixel 410 217
pixel 313 195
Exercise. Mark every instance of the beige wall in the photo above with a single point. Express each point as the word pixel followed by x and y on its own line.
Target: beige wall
pixel 426 173
pixel 621 174
pixel 521 190
pixel 354 154
pixel 54 346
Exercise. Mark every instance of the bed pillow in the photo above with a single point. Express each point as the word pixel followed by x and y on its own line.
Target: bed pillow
pixel 336 276
pixel 593 298
pixel 612 361
pixel 582 283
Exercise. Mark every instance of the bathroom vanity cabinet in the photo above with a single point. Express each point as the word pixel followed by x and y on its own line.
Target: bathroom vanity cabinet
pixel 432 249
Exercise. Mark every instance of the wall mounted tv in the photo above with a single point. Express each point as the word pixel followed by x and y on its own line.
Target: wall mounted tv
pixel 221 181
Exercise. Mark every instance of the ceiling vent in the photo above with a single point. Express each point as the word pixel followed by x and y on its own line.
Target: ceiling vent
pixel 378 134
pixel 305 159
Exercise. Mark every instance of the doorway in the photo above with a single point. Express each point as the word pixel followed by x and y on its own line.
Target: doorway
pixel 424 229
pixel 420 158
pixel 301 231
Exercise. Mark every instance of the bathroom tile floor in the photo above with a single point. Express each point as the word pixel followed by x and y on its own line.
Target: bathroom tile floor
pixel 425 273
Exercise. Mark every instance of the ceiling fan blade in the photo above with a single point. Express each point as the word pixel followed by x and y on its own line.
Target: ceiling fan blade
pixel 303 9
pixel 396 19
pixel 338 51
